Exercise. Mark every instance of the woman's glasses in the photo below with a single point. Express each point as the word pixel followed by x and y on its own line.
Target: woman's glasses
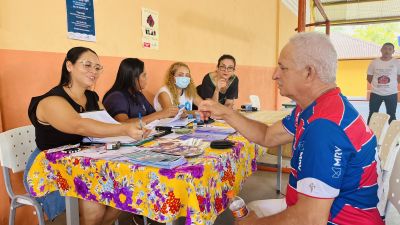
pixel 224 68
pixel 89 66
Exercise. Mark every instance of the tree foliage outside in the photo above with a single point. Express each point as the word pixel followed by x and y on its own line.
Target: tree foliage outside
pixel 378 33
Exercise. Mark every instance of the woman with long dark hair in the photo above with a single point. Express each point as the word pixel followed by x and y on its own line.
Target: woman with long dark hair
pixel 125 100
pixel 55 116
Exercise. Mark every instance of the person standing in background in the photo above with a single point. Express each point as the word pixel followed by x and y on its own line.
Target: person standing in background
pixel 383 74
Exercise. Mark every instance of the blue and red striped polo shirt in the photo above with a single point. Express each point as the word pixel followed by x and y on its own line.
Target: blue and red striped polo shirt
pixel 334 156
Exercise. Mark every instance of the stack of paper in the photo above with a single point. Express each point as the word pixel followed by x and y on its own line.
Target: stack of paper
pixel 209 134
pixel 149 158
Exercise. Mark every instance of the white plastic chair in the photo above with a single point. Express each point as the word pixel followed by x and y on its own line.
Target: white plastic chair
pixel 379 123
pixel 16 145
pixel 387 154
pixel 390 141
pixel 255 101
pixel 394 186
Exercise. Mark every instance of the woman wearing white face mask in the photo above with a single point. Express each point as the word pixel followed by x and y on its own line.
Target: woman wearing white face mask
pixel 179 89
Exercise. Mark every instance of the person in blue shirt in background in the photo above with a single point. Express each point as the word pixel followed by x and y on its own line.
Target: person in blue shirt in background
pixel 125 100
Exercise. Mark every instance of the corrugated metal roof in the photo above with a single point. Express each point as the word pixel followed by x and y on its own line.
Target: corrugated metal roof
pixel 348 11
pixel 348 47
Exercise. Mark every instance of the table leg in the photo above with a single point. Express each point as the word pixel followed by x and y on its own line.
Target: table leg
pixel 72 210
pixel 279 170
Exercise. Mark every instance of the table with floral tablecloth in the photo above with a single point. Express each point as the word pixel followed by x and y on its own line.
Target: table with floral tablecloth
pixel 196 190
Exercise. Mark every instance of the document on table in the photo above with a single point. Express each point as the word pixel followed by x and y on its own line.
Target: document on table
pixel 177 123
pixel 100 115
pixel 104 117
pixel 102 153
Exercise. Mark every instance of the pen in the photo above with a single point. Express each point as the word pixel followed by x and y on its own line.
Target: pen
pixel 140 122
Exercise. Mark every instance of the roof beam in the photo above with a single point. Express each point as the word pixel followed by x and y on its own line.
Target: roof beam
pixel 348 2
pixel 362 21
pixel 320 8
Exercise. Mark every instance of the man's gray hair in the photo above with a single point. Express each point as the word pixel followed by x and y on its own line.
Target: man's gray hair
pixel 315 49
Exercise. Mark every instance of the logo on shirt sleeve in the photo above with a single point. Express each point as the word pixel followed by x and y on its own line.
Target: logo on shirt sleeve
pixel 337 158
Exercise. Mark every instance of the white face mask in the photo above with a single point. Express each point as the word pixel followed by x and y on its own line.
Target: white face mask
pixel 182 82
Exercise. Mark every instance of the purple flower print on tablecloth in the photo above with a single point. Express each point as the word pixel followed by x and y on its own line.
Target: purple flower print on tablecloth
pixel 53 157
pixel 219 166
pixel 225 198
pixel 86 162
pixel 254 164
pixel 32 192
pixel 195 170
pixel 107 195
pixel 188 217
pixel 154 184
pixel 236 149
pixel 81 187
pixel 92 197
pixel 123 198
pixel 208 202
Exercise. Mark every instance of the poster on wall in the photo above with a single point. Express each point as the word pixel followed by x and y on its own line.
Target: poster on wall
pixel 80 20
pixel 150 34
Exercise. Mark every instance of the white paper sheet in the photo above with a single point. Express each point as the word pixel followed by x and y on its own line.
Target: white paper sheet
pixel 177 123
pixel 101 116
pixel 104 117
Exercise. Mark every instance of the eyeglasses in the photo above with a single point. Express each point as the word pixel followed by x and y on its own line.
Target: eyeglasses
pixel 224 68
pixel 89 66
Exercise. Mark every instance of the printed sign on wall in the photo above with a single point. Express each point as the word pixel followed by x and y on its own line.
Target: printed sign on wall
pixel 80 18
pixel 150 33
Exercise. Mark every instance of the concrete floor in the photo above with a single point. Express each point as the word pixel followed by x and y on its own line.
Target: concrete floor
pixel 261 185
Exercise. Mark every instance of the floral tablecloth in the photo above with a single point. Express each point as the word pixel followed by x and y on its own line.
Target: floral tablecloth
pixel 196 190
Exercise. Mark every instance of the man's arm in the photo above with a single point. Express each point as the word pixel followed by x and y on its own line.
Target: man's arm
pixel 254 131
pixel 369 78
pixel 308 210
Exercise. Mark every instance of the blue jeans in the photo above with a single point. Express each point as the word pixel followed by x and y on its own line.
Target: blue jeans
pixel 53 203
pixel 375 102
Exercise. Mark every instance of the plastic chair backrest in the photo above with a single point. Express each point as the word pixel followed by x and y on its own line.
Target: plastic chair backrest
pixel 394 185
pixel 379 123
pixel 255 101
pixel 16 146
pixel 390 141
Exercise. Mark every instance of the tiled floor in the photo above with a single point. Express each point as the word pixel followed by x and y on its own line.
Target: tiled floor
pixel 252 190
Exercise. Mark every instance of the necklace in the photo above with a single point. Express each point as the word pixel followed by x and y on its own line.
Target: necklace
pixel 76 100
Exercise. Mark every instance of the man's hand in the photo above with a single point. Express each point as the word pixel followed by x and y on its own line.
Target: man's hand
pixel 250 219
pixel 210 108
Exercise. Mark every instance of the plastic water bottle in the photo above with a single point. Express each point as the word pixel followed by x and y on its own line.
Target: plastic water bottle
pixel 237 205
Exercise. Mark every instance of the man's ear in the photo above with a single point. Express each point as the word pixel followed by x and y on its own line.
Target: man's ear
pixel 311 73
